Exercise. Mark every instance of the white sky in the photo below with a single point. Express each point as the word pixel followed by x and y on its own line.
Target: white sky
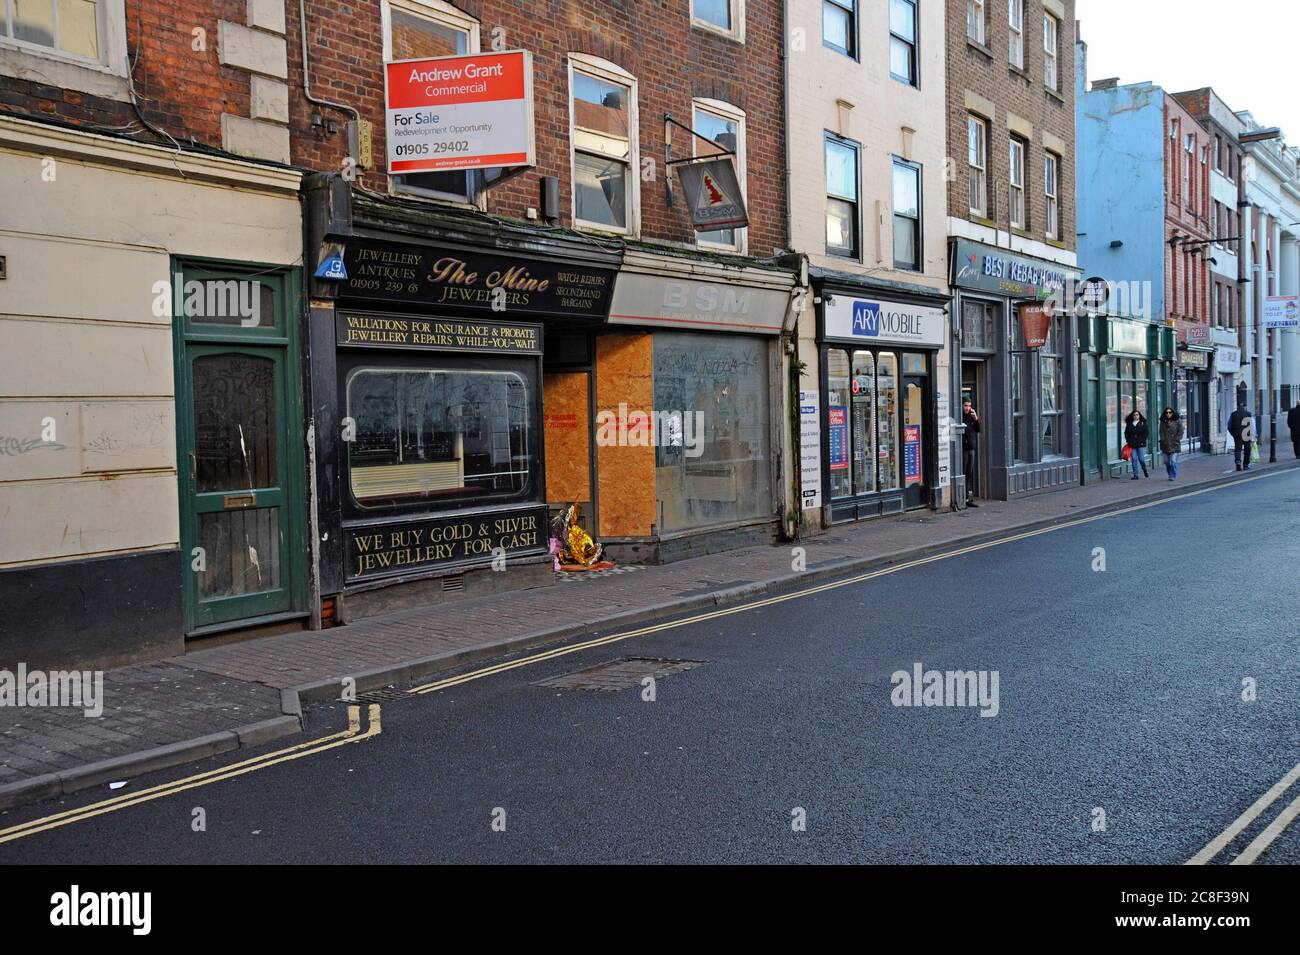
pixel 1246 49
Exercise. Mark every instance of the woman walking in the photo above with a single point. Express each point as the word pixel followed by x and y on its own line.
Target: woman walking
pixel 1136 435
pixel 1171 440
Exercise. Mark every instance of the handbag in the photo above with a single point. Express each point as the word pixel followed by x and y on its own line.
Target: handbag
pixel 1126 453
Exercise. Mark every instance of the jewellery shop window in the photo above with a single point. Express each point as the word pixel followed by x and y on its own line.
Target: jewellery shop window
pixel 862 421
pixel 442 435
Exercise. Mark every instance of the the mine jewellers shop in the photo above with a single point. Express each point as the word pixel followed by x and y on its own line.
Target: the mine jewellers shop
pixel 427 379
pixel 882 391
pixel 1024 392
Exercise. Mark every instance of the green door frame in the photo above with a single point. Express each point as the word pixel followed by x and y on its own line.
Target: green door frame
pixel 277 340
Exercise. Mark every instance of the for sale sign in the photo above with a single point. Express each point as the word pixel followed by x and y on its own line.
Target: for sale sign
pixel 460 112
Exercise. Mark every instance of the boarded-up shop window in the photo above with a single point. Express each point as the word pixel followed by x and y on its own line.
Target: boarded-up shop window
pixel 711 418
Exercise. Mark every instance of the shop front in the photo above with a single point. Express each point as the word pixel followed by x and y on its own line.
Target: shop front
pixel 692 348
pixel 1124 363
pixel 1024 391
pixel 1227 373
pixel 1195 394
pixel 430 350
pixel 883 397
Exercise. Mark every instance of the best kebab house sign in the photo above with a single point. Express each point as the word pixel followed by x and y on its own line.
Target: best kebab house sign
pixel 460 112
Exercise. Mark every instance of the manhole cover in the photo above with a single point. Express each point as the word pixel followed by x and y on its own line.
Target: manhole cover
pixel 620 674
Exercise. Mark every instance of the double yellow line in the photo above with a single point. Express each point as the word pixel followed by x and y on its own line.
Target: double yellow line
pixel 353 734
pixel 1262 841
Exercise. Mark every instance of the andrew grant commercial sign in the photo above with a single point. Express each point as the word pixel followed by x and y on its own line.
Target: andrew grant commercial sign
pixel 878 320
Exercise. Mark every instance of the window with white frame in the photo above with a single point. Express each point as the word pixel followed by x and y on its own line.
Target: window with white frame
pixel 722 16
pixel 604 138
pixel 1051 191
pixel 421 28
pixel 1017 182
pixel 1051 34
pixel 89 33
pixel 1016 33
pixel 975 25
pixel 977 166
pixel 902 41
pixel 724 124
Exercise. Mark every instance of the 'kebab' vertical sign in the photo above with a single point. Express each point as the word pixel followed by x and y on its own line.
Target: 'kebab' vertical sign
pixel 460 112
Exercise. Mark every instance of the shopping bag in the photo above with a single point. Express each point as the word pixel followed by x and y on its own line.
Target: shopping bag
pixel 1127 453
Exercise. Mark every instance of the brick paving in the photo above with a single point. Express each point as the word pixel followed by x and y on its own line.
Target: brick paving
pixel 220 689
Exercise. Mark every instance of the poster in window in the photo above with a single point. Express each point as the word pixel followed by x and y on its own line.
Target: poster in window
pixel 912 455
pixel 837 421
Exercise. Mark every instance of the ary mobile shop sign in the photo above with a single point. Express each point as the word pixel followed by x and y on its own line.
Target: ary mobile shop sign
pixel 403 331
pixel 453 278
pixel 460 112
pixel 712 192
pixel 1016 276
pixel 387 550
pixel 879 320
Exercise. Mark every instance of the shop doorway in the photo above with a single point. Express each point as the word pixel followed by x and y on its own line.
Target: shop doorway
pixel 974 389
pixel 915 430
pixel 239 449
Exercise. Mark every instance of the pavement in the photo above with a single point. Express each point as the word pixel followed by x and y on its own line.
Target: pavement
pixel 243 695
pixel 1120 730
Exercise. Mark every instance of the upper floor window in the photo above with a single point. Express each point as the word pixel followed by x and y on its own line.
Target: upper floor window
pixel 1051 31
pixel 1189 149
pixel 421 28
pixel 604 144
pixel 725 125
pixel 840 26
pixel 1051 192
pixel 70 27
pixel 907 215
pixel 977 166
pixel 1016 33
pixel 1017 196
pixel 842 215
pixel 902 41
pixel 975 25
pixel 723 16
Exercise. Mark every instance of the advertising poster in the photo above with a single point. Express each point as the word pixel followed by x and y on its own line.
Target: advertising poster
pixel 810 449
pixel 837 419
pixel 912 454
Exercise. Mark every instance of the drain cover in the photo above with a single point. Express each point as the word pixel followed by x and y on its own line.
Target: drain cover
pixel 620 674
pixel 386 695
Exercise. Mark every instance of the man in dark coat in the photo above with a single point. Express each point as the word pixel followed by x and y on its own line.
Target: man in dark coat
pixel 969 444
pixel 1242 428
pixel 1293 422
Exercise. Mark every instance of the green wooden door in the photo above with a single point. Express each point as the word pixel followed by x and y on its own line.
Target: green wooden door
pixel 239 452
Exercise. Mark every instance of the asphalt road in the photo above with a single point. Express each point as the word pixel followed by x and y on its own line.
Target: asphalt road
pixel 1119 692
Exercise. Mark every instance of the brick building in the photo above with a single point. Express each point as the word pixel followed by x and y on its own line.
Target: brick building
pixel 1011 223
pixel 425 463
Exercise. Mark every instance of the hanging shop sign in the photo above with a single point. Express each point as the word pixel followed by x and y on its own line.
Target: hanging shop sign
pixel 388 550
pixel 366 330
pixel 1195 334
pixel 1188 358
pixel 878 320
pixel 977 266
pixel 810 449
pixel 1227 359
pixel 712 192
pixel 444 278
pixel 641 299
pixel 1282 311
pixel 1036 322
pixel 460 112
